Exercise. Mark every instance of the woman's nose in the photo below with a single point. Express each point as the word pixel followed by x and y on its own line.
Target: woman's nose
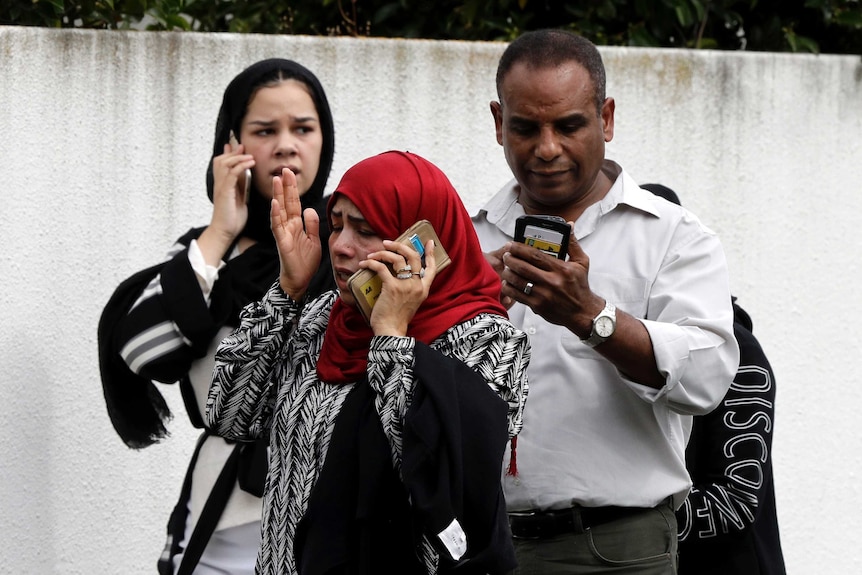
pixel 342 245
pixel 286 144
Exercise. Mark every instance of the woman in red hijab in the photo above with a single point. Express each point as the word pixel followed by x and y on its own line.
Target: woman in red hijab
pixel 386 436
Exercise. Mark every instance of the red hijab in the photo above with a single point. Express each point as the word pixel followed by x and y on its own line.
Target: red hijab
pixel 393 190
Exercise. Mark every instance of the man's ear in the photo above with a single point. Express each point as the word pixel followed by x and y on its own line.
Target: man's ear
pixel 497 112
pixel 608 108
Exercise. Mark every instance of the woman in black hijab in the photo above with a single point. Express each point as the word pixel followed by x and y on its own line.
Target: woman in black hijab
pixel 163 323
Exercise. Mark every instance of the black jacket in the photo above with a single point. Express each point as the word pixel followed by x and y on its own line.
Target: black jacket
pixel 728 524
pixel 362 518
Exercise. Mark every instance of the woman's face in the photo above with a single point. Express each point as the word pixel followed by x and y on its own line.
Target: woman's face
pixel 350 241
pixel 281 129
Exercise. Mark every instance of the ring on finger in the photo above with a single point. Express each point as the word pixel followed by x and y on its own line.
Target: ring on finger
pixel 404 275
pixel 420 273
pixel 528 289
pixel 406 268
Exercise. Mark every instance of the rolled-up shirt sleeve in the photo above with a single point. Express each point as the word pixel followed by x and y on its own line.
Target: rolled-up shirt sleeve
pixel 690 322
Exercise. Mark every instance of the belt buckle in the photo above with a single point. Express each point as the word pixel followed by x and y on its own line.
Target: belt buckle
pixel 521 533
pixel 522 513
pixel 537 529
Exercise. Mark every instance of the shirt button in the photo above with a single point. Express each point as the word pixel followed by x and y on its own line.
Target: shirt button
pixel 531 331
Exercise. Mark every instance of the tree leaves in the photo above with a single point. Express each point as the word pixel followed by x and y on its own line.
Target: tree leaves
pixel 763 25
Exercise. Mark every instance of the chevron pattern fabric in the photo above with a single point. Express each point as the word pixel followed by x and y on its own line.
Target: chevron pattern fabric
pixel 265 385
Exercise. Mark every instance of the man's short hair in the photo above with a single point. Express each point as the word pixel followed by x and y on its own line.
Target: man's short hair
pixel 549 48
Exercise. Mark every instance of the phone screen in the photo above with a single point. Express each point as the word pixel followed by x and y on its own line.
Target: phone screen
pixel 549 241
pixel 547 233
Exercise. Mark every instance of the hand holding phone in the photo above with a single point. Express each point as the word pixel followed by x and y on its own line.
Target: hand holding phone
pixel 245 180
pixel 367 285
pixel 547 233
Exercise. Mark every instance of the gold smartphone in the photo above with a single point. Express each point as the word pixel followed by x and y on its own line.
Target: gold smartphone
pixel 366 285
pixel 245 182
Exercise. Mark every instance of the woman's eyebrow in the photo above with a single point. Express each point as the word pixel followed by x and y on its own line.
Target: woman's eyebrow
pixel 295 119
pixel 261 122
pixel 353 218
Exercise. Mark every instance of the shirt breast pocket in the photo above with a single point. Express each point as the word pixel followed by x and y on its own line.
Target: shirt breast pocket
pixel 626 293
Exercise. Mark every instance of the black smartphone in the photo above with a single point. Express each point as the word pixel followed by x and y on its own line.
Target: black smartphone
pixel 547 233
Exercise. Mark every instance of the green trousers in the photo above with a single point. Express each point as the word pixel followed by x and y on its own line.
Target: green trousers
pixel 643 544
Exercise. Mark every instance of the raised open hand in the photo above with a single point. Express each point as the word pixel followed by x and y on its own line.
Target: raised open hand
pixel 298 245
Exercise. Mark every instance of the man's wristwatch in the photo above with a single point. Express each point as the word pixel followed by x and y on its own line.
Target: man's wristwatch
pixel 604 325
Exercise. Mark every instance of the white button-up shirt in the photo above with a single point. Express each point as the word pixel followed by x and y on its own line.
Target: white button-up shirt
pixel 591 436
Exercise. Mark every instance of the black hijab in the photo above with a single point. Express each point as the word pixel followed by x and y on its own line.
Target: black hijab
pixel 255 271
pixel 137 409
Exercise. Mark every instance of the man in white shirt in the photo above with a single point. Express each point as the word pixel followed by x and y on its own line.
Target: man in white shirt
pixel 600 462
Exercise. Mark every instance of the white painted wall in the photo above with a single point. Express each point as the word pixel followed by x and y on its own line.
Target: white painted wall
pixel 104 144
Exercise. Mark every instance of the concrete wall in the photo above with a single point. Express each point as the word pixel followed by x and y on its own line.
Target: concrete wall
pixel 105 140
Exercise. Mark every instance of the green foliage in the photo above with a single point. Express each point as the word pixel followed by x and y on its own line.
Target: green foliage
pixel 764 25
pixel 113 14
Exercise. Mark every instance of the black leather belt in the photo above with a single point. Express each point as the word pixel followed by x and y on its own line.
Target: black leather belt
pixel 544 524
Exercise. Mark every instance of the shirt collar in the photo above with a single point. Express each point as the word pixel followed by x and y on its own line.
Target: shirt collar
pixel 630 193
pixel 503 209
pixel 624 191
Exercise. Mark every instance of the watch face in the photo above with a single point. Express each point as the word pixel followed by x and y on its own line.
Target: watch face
pixel 604 326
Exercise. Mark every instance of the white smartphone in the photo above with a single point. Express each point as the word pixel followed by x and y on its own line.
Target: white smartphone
pixel 245 181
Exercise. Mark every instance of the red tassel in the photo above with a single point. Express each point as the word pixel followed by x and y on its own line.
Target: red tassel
pixel 513 457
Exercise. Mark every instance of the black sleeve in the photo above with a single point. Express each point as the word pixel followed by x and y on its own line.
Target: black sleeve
pixel 455 434
pixel 170 324
pixel 137 409
pixel 729 453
